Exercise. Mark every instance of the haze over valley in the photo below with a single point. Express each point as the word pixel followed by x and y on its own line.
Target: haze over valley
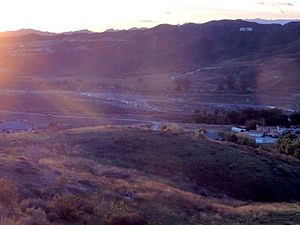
pixel 165 72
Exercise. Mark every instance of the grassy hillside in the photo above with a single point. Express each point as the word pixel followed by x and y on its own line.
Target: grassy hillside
pixel 123 175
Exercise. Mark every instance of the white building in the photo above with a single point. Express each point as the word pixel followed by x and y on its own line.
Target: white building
pixel 238 129
pixel 246 29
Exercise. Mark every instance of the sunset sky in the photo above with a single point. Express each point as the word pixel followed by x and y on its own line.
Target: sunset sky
pixel 99 15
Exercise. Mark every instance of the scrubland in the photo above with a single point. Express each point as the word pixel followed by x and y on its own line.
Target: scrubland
pixel 128 175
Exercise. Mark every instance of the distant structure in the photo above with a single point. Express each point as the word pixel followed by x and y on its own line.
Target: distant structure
pixel 246 29
pixel 14 127
pixel 238 129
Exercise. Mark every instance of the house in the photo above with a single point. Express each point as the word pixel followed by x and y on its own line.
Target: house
pixel 14 126
pixel 270 130
pixel 238 129
pixel 246 29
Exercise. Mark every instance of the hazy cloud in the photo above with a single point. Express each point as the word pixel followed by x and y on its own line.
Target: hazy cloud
pixel 284 4
pixel 276 4
pixel 147 21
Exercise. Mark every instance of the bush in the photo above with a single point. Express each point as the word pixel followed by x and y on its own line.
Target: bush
pixel 243 140
pixel 10 221
pixel 68 208
pixel 269 117
pixel 126 219
pixel 238 139
pixel 289 144
pixel 62 182
pixel 33 204
pixel 163 127
pixel 231 137
pixel 36 217
pixel 202 130
pixel 251 124
pixel 175 128
pixel 295 118
pixel 8 193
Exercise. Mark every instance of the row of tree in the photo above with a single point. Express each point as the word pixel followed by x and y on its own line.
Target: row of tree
pixel 249 117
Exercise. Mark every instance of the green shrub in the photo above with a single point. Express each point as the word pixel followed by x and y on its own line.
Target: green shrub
pixel 126 219
pixel 163 127
pixel 231 137
pixel 251 124
pixel 8 193
pixel 244 140
pixel 36 217
pixel 62 182
pixel 221 134
pixel 202 130
pixel 175 128
pixel 10 221
pixel 238 139
pixel 289 144
pixel 33 204
pixel 68 208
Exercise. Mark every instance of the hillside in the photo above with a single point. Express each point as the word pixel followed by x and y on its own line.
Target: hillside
pixel 164 48
pixel 152 177
pixel 166 72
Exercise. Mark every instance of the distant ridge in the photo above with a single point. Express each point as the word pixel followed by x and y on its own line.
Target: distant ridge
pixel 23 32
pixel 85 31
pixel 277 21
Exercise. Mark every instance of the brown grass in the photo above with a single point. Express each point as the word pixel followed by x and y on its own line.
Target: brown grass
pixel 85 175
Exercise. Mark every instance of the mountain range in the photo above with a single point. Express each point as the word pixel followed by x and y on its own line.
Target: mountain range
pixel 265 58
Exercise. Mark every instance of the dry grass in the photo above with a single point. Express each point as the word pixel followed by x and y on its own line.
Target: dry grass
pixel 100 176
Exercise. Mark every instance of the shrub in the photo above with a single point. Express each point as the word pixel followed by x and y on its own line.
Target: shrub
pixel 4 214
pixel 33 204
pixel 238 139
pixel 126 219
pixel 182 84
pixel 295 118
pixel 289 144
pixel 243 140
pixel 62 182
pixel 36 217
pixel 8 193
pixel 10 221
pixel 269 117
pixel 202 130
pixel 67 208
pixel 175 128
pixel 221 134
pixel 251 124
pixel 231 137
pixel 163 127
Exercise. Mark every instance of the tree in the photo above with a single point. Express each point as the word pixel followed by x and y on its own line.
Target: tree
pixel 251 124
pixel 295 118
pixel 230 81
pixel 182 84
pixel 289 144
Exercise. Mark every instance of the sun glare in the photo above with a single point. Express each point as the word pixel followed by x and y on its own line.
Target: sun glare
pixel 98 15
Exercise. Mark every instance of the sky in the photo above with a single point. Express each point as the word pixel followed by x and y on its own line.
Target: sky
pixel 99 15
